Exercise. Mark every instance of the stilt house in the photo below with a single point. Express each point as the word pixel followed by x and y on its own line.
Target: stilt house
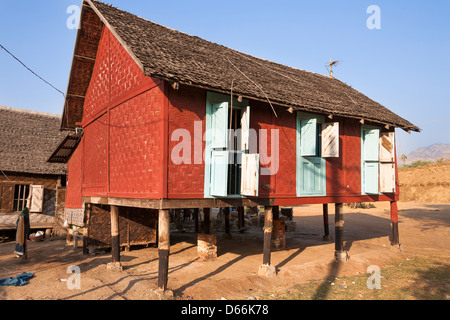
pixel 166 120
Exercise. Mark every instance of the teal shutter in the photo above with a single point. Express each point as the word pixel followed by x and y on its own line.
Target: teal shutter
pixel 312 177
pixel 219 122
pixel 371 138
pixel 219 173
pixel 371 178
pixel 308 136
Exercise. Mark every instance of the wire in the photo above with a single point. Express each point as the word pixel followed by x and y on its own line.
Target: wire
pixel 256 85
pixel 23 64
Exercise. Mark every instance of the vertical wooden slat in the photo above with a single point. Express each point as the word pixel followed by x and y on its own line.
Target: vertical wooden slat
pixel 163 248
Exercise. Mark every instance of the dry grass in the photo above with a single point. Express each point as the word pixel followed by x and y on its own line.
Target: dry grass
pixel 411 278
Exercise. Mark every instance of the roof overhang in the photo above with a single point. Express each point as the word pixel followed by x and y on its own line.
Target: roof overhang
pixel 65 149
pixel 85 52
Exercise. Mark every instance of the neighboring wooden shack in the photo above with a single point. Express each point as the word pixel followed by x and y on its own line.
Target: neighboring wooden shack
pixel 155 107
pixel 27 139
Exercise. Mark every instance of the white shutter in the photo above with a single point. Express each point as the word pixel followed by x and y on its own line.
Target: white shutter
pixel 387 177
pixel 330 140
pixel 387 143
pixel 245 129
pixel 250 175
pixel 37 200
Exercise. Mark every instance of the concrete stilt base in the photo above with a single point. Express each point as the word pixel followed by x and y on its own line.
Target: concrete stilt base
pixel 397 247
pixel 267 270
pixel 114 266
pixel 341 256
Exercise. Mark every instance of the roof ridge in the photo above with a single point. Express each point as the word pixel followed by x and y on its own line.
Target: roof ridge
pixel 38 113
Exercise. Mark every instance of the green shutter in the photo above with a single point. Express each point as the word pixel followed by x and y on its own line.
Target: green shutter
pixel 219 173
pixel 371 138
pixel 308 136
pixel 371 178
pixel 311 180
pixel 219 121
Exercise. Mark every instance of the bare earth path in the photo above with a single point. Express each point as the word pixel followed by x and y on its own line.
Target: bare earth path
pixel 424 230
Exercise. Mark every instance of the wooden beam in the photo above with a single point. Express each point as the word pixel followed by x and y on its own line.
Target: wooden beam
pixel 83 58
pixel 163 248
pixel 195 214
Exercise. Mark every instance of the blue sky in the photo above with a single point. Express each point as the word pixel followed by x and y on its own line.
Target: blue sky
pixel 405 65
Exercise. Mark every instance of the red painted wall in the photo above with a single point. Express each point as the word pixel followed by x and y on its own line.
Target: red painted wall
pixel 123 127
pixel 186 106
pixel 73 198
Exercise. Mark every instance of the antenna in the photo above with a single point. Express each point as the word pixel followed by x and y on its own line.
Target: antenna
pixel 330 65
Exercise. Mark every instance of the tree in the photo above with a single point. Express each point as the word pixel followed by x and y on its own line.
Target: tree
pixel 404 157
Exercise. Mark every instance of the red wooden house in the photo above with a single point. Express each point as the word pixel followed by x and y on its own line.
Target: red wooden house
pixel 167 120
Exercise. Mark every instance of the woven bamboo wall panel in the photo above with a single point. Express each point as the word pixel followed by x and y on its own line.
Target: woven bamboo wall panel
pixel 136 226
pixel 136 145
pixel 97 96
pixel 187 107
pixel 74 179
pixel 95 157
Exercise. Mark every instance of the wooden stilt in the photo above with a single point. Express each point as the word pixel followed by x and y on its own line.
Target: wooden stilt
pixel 268 226
pixel 196 220
pixel 163 248
pixel 276 212
pixel 241 221
pixel 115 240
pixel 115 237
pixel 339 252
pixel 226 212
pixel 206 220
pixel 266 268
pixel 394 221
pixel 326 236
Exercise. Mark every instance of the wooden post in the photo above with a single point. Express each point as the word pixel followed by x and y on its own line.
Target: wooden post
pixel 394 221
pixel 115 237
pixel 241 220
pixel 339 252
pixel 326 236
pixel 206 220
pixel 196 220
pixel 268 225
pixel 276 212
pixel 163 248
pixel 226 212
pixel 266 268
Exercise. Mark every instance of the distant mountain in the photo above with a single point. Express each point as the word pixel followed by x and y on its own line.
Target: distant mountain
pixel 430 153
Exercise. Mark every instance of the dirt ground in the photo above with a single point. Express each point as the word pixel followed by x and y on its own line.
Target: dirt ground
pixel 423 228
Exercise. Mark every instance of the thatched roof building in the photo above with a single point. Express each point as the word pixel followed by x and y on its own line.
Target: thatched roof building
pixel 27 139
